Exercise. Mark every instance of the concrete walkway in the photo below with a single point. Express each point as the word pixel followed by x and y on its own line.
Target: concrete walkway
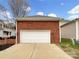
pixel 34 51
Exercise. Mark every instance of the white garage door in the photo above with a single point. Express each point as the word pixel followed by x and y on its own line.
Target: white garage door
pixel 35 36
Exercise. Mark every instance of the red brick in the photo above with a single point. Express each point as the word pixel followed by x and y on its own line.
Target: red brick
pixel 40 25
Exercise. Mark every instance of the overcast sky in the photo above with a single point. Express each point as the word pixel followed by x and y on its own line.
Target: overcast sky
pixel 68 9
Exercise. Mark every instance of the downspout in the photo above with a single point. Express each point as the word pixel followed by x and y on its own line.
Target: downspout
pixel 16 32
pixel 76 30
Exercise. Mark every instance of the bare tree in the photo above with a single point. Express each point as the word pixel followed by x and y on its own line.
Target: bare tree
pixel 3 12
pixel 18 7
pixel 2 8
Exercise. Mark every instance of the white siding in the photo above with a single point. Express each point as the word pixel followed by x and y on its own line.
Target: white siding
pixel 1 33
pixel 69 30
pixel 13 33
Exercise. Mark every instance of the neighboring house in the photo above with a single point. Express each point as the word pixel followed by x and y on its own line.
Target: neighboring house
pixel 7 33
pixel 1 26
pixel 37 29
pixel 62 22
pixel 12 26
pixel 70 30
pixel 6 30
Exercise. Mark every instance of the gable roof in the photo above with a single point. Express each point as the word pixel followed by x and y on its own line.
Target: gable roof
pixel 38 18
pixel 70 22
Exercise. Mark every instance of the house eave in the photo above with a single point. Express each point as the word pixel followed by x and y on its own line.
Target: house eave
pixel 39 18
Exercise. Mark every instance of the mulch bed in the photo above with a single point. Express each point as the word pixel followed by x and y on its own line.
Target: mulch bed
pixel 3 47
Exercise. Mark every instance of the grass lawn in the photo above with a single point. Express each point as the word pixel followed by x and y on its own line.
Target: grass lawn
pixel 69 48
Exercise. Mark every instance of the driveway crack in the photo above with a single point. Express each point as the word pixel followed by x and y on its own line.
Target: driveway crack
pixel 33 51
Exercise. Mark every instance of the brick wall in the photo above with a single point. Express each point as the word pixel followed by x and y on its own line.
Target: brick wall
pixel 7 41
pixel 40 25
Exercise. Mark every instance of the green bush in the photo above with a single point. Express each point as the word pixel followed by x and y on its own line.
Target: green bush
pixel 68 43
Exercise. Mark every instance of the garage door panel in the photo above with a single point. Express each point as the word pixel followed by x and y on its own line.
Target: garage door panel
pixel 35 36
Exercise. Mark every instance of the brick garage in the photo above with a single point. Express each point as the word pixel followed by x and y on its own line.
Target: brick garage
pixel 38 23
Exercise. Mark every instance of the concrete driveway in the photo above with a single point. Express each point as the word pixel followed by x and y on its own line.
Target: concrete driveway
pixel 34 51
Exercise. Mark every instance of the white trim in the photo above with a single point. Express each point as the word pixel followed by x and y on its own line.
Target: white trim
pixel 60 32
pixel 76 29
pixel 43 36
pixel 35 30
pixel 16 33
